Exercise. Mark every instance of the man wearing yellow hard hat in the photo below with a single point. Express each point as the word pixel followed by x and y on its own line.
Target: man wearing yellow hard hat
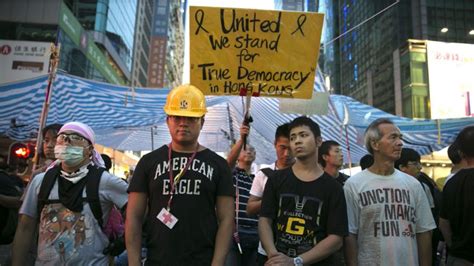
pixel 188 191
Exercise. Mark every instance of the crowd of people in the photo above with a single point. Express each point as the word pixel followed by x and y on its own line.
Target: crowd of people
pixel 186 205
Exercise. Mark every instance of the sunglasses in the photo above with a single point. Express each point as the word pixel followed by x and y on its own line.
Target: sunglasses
pixel 71 138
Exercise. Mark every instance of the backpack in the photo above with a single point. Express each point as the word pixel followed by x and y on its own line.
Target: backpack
pixel 269 172
pixel 113 229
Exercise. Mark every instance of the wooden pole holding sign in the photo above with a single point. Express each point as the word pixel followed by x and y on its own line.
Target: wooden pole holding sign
pixel 53 66
pixel 271 53
pixel 247 118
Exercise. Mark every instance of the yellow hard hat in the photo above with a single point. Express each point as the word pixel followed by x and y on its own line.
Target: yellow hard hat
pixel 185 100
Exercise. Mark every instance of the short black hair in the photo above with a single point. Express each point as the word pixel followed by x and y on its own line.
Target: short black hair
pixel 54 127
pixel 407 155
pixel 107 161
pixel 366 161
pixel 283 131
pixel 324 150
pixel 306 121
pixel 465 140
pixel 453 153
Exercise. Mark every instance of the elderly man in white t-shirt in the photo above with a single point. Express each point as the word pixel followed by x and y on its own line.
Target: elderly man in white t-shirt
pixel 389 217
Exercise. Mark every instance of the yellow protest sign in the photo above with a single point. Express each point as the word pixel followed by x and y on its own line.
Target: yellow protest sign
pixel 269 53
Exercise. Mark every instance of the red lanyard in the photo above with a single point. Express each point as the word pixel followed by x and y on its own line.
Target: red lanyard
pixel 175 180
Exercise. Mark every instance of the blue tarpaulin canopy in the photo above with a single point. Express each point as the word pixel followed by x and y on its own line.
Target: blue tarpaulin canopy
pixel 127 118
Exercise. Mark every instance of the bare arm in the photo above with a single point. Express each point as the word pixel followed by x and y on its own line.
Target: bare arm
pixel 23 239
pixel 234 154
pixel 253 205
pixel 235 151
pixel 423 241
pixel 133 226
pixel 225 216
pixel 266 236
pixel 10 201
pixel 350 249
pixel 445 228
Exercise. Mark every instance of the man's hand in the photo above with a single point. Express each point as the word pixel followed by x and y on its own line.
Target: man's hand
pixel 244 131
pixel 235 151
pixel 279 259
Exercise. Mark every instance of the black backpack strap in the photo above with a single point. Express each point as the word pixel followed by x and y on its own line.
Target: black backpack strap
pixel 47 185
pixel 92 192
pixel 268 172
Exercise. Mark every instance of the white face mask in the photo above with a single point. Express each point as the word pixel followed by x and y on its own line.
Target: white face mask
pixel 70 155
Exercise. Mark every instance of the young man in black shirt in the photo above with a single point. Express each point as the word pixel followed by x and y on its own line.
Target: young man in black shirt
pixel 457 209
pixel 187 189
pixel 331 159
pixel 303 217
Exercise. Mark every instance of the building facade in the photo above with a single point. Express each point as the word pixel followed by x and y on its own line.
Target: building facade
pixel 96 37
pixel 374 48
pixel 167 44
pixel 175 58
pixel 329 54
pixel 141 48
pixel 297 5
pixel 111 25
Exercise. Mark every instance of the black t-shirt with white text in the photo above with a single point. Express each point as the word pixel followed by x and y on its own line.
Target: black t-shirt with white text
pixel 191 241
pixel 304 213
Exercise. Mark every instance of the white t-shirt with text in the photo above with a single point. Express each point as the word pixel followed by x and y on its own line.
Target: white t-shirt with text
pixel 386 213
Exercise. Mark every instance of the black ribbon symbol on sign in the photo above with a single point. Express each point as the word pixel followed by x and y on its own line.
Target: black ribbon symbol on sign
pixel 301 21
pixel 199 18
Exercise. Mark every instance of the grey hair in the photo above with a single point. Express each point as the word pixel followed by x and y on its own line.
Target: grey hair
pixel 372 133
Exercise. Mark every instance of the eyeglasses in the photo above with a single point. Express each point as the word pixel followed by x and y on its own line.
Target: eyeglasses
pixel 175 118
pixel 71 138
pixel 417 164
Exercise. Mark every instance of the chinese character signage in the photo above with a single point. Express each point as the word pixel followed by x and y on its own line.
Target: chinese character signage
pixel 156 67
pixel 451 79
pixel 21 60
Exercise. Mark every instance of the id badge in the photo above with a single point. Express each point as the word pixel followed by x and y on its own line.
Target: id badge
pixel 167 218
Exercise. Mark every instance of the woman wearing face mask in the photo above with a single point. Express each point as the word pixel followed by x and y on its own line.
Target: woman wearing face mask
pixel 68 231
